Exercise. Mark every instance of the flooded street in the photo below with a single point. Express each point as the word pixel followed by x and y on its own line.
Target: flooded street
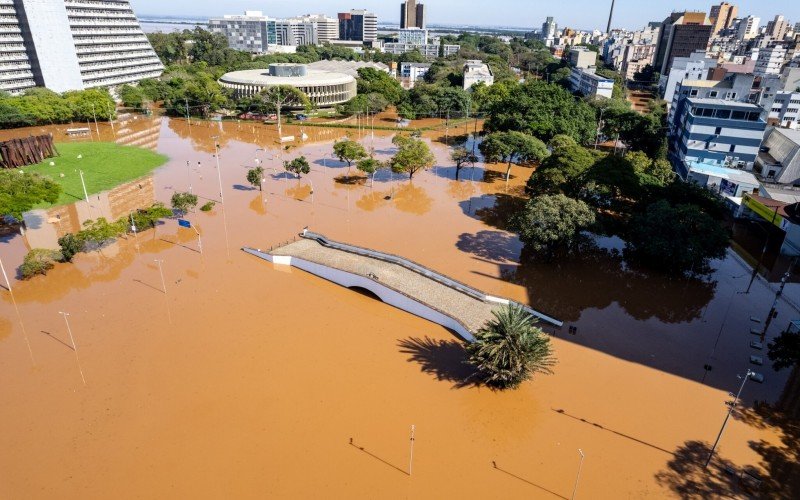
pixel 246 380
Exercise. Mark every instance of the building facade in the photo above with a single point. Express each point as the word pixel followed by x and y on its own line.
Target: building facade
pixel 587 82
pixel 358 26
pixel 581 57
pixel 412 36
pixel 430 51
pixel 252 32
pixel 477 72
pixel 549 31
pixel 694 67
pixel 411 72
pixel 681 34
pixel 72 45
pixel 779 158
pixel 770 60
pixel 296 32
pixel 748 28
pixel 412 15
pixel 722 16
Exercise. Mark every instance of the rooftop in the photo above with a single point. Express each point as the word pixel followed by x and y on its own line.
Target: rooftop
pixel 715 170
pixel 723 102
pixel 262 77
pixel 346 67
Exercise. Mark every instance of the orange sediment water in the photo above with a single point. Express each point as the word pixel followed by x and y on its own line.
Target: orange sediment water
pixel 246 380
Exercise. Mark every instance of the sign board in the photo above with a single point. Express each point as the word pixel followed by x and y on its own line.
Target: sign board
pixel 184 223
pixel 768 214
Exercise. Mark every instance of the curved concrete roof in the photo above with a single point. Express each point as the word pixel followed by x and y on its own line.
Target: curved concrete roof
pixel 261 77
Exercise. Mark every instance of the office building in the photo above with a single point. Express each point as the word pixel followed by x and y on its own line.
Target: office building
pixel 549 31
pixel 327 28
pixel 778 27
pixel 770 60
pixel 694 67
pixel 412 36
pixel 477 72
pixel 252 32
pixel 430 50
pixel 412 15
pixel 358 26
pixel 581 57
pixel 296 32
pixel 72 45
pixel 735 87
pixel 588 83
pixel 722 16
pixel 785 110
pixel 748 28
pixel 681 34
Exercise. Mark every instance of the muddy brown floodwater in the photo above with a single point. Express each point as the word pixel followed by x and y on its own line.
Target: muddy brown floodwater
pixel 245 380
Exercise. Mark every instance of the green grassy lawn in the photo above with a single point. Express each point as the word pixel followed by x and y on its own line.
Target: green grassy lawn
pixel 105 165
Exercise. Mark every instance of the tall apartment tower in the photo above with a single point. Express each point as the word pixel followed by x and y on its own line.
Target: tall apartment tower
pixel 778 27
pixel 549 29
pixel 681 34
pixel 748 28
pixel 72 45
pixel 327 27
pixel 412 15
pixel 722 16
pixel 358 26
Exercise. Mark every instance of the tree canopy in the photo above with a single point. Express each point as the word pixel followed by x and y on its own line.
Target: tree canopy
pixel 513 147
pixel 540 109
pixel 20 192
pixel 297 166
pixel 784 350
pixel 552 222
pixel 412 155
pixel 509 349
pixel 349 151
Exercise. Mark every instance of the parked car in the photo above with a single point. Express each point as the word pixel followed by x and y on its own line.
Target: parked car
pixel 301 117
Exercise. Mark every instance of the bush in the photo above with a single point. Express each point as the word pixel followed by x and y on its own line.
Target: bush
pixel 147 218
pixel 182 202
pixel 38 261
pixel 70 245
pixel 208 206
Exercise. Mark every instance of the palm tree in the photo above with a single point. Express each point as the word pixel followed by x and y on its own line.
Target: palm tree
pixel 509 349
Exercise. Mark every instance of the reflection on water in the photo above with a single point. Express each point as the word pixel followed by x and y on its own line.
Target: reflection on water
pixel 412 198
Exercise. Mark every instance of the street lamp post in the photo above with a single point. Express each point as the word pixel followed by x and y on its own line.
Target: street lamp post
pixel 578 477
pixel 161 272
pixel 725 422
pixel 189 175
pixel 83 183
pixel 597 133
pixel 8 283
pixel 773 311
pixel 219 173
pixel 757 267
pixel 74 347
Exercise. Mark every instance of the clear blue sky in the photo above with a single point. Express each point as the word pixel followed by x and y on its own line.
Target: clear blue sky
pixel 582 14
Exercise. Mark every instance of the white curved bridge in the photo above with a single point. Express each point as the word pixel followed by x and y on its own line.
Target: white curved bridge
pixel 396 281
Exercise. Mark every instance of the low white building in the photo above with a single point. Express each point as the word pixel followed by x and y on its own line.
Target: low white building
pixel 430 51
pixel 694 67
pixel 770 61
pixel 477 72
pixel 581 57
pixel 589 83
pixel 413 36
pixel 411 72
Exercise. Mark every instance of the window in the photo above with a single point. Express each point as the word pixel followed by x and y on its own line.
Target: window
pixel 713 94
pixel 730 95
pixel 738 115
pixel 707 112
pixel 693 93
pixel 717 130
pixel 724 114
pixel 732 149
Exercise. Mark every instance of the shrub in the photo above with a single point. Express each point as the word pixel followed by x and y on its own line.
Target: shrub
pixel 182 202
pixel 70 245
pixel 38 261
pixel 208 206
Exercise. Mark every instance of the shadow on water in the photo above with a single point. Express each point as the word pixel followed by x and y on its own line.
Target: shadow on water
pixel 493 210
pixel 444 359
pixel 496 246
pixel 498 468
pixel 596 278
pixel 376 457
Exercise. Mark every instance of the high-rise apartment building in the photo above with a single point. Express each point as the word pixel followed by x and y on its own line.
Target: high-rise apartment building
pixel 770 60
pixel 748 28
pixel 252 32
pixel 549 30
pixel 412 15
pixel 681 34
pixel 296 32
pixel 72 45
pixel 778 27
pixel 722 16
pixel 412 36
pixel 358 26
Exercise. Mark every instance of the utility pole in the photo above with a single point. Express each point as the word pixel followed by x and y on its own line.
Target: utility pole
pixel 597 133
pixel 8 283
pixel 725 422
pixel 578 477
pixel 83 183
pixel 219 173
pixel 161 272
pixel 74 347
pixel 772 311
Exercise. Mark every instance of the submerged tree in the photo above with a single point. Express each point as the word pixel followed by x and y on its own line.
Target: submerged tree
pixel 369 166
pixel 461 156
pixel 349 151
pixel 509 349
pixel 412 155
pixel 550 222
pixel 182 202
pixel 20 192
pixel 282 96
pixel 784 350
pixel 513 147
pixel 254 177
pixel 297 166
